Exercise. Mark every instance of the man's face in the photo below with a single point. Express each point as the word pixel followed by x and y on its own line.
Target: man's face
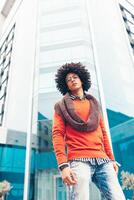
pixel 73 82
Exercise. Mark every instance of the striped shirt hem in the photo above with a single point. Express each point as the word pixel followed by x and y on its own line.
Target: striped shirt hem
pixel 93 161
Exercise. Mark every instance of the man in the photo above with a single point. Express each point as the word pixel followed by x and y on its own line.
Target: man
pixel 80 140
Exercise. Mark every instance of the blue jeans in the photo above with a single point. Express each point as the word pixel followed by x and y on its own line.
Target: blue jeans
pixel 104 177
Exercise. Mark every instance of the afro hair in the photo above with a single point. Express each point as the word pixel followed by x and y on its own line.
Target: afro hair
pixel 76 68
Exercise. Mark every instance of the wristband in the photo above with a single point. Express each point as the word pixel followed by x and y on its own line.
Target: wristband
pixel 63 166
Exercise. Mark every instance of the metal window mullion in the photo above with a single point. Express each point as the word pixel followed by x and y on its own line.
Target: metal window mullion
pixel 29 126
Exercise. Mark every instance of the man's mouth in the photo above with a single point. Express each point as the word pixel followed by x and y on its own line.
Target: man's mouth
pixel 74 84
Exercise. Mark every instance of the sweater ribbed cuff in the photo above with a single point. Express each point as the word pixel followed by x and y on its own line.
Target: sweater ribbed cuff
pixel 63 165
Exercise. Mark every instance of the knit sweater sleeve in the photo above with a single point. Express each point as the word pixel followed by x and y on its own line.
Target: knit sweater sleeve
pixel 58 138
pixel 107 145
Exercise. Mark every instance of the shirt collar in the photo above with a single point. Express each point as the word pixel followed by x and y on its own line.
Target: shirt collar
pixel 74 97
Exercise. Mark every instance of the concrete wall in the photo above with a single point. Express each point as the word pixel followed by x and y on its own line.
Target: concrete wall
pixel 23 14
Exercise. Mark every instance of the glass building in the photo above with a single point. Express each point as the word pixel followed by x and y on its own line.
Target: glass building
pixel 38 36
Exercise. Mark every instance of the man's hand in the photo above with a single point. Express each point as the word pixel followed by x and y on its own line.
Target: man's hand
pixel 68 176
pixel 116 168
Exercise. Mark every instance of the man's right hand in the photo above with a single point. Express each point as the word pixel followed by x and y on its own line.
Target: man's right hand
pixel 68 176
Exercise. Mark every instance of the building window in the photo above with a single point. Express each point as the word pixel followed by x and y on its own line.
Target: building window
pixel 5 61
pixel 128 18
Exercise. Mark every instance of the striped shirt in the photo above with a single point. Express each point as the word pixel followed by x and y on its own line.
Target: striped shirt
pixel 93 161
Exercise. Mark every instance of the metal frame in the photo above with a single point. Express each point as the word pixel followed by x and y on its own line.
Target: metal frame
pixel 29 127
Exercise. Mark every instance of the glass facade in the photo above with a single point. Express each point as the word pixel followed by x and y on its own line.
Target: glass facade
pixel 64 35
pixel 120 105
pixel 12 169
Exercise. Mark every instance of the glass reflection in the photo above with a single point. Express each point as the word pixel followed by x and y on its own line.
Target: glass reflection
pixel 64 36
pixel 60 41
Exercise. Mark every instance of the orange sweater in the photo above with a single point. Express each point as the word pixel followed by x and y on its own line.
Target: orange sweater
pixel 93 144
